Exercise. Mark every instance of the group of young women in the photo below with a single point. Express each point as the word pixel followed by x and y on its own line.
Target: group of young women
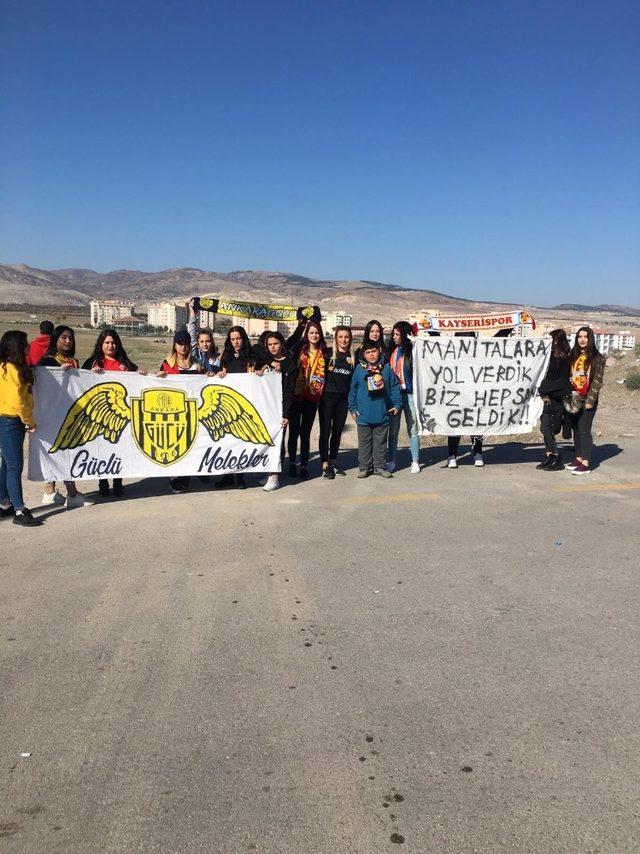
pixel 372 382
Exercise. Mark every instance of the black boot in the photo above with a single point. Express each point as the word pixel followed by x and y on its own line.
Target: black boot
pixel 556 464
pixel 103 488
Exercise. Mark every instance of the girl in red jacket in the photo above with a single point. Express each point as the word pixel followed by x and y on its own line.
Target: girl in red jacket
pixel 109 355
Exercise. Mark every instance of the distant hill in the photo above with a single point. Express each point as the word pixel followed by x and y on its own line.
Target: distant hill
pixel 20 285
pixel 598 309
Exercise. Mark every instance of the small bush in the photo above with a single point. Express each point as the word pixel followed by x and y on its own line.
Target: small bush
pixel 633 381
pixel 617 354
pixel 637 348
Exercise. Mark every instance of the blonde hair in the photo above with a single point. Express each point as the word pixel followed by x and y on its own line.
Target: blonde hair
pixel 352 358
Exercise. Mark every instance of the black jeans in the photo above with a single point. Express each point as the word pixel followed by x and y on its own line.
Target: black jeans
pixel 332 413
pixel 301 418
pixel 453 443
pixel 582 438
pixel 551 424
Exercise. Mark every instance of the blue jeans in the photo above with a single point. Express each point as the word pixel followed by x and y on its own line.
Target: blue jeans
pixel 412 429
pixel 11 446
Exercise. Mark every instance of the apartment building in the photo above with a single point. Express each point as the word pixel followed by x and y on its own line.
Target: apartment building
pixel 331 319
pixel 108 311
pixel 168 315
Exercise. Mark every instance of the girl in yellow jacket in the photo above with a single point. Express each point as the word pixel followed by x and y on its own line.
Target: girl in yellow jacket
pixel 16 416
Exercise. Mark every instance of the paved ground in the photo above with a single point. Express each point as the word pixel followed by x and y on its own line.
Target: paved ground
pixel 448 659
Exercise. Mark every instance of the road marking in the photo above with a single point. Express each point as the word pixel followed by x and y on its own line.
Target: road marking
pixel 598 487
pixel 385 499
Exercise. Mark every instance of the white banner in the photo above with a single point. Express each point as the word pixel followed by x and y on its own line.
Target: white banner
pixel 478 386
pixel 126 425
pixel 471 322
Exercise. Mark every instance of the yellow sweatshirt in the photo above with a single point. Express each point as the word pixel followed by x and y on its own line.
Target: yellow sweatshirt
pixel 16 398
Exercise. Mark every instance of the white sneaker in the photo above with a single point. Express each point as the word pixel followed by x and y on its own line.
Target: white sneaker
pixel 52 498
pixel 453 463
pixel 390 466
pixel 478 461
pixel 75 501
pixel 271 484
pixel 415 467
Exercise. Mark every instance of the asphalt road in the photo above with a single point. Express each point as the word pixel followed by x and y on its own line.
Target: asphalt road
pixel 447 659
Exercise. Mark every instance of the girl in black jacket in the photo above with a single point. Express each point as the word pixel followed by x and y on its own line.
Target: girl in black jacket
pixel 334 404
pixel 553 389
pixel 238 357
pixel 277 359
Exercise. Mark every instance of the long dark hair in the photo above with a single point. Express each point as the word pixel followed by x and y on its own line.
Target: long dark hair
pixel 404 328
pixel 368 328
pixel 53 344
pixel 246 350
pixel 13 345
pixel 121 353
pixel 592 351
pixel 278 336
pixel 368 340
pixel 559 344
pixel 305 337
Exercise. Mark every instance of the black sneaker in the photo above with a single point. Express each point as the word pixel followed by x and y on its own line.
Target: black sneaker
pixel 293 471
pixel 339 471
pixel 556 464
pixel 545 463
pixel 225 482
pixel 118 488
pixel 7 511
pixel 241 483
pixel 103 488
pixel 304 473
pixel 330 473
pixel 25 518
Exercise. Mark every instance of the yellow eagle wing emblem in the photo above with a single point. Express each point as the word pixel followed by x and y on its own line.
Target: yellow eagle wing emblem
pixel 224 410
pixel 101 411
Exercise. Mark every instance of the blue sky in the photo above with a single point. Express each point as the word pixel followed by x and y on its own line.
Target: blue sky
pixel 484 149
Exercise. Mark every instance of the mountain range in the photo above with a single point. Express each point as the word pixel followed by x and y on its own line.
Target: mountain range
pixel 22 285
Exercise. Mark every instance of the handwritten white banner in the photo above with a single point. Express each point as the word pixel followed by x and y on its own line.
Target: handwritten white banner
pixel 478 386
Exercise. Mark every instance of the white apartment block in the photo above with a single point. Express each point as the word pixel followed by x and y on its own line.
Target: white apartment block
pixel 168 315
pixel 607 342
pixel 108 311
pixel 335 318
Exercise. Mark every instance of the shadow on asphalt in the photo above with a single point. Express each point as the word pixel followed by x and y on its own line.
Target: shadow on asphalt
pixel 509 453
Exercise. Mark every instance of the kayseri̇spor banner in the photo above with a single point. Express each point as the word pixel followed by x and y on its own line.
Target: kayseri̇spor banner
pixel 93 425
pixel 256 310
pixel 471 322
pixel 478 386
